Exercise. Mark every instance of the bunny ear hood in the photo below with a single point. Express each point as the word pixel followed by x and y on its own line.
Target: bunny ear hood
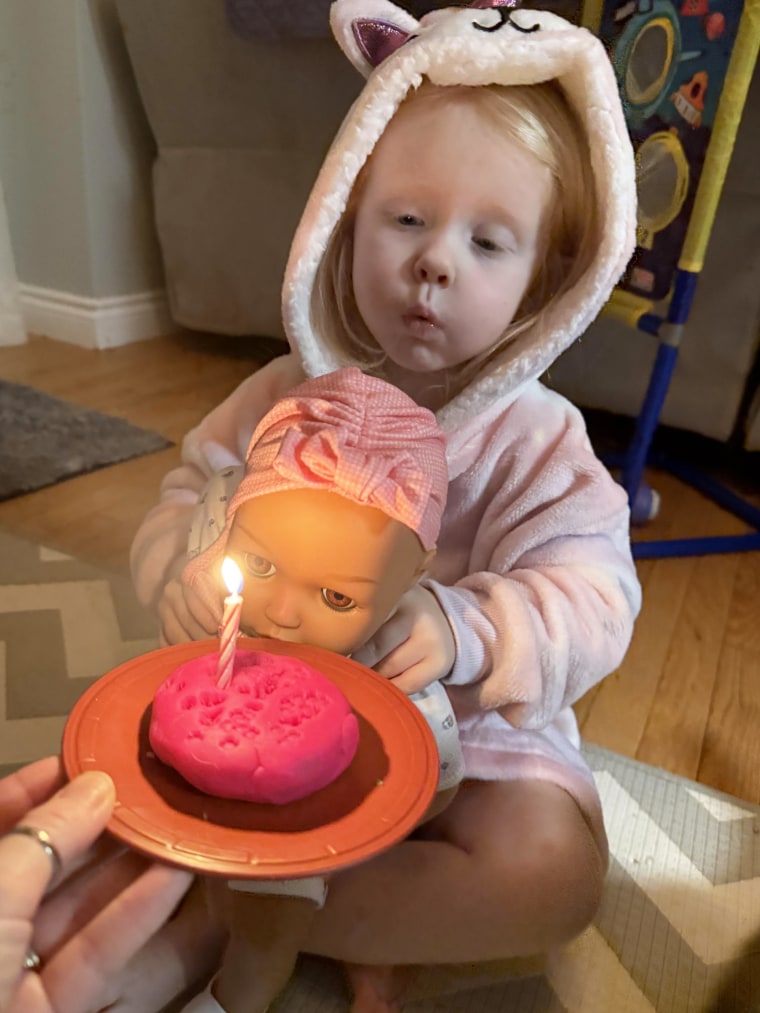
pixel 484 43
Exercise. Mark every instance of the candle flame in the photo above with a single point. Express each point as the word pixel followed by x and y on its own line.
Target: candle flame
pixel 232 576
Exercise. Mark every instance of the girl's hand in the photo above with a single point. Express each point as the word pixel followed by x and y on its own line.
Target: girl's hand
pixel 185 615
pixel 101 919
pixel 415 646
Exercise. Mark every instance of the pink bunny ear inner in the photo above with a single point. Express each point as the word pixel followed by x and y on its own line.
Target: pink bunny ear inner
pixel 377 38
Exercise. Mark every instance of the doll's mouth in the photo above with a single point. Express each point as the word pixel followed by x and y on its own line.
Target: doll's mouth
pixel 249 631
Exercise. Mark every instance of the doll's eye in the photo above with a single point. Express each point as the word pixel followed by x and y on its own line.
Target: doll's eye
pixel 336 600
pixel 258 566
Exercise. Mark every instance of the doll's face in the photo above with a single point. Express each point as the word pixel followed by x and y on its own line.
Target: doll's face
pixel 449 230
pixel 320 569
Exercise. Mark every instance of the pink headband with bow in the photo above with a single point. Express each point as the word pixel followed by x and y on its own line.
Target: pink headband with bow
pixel 352 434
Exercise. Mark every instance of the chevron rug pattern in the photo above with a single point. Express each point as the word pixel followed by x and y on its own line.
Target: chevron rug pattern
pixel 63 623
pixel 679 926
pixel 678 930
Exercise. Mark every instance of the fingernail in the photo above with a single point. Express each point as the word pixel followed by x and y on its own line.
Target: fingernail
pixel 94 787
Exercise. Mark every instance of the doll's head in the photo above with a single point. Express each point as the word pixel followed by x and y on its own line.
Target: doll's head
pixel 338 512
pixel 473 213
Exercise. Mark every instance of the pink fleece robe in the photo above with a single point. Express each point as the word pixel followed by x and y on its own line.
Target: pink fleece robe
pixel 533 568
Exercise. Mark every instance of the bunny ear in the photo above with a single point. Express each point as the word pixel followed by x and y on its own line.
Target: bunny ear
pixel 377 38
pixel 368 31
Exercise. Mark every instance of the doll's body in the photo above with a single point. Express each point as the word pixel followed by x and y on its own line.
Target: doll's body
pixel 331 522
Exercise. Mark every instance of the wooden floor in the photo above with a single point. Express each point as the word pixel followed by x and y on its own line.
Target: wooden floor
pixel 687 697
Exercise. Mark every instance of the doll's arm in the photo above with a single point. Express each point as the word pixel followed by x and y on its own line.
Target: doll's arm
pixel 548 608
pixel 220 440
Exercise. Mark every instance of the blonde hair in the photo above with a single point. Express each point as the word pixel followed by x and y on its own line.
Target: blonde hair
pixel 540 119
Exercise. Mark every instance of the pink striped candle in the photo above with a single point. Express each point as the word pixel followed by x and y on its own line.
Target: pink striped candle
pixel 233 603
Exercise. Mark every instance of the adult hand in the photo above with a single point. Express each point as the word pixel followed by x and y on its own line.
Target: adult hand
pixel 101 919
pixel 183 613
pixel 415 646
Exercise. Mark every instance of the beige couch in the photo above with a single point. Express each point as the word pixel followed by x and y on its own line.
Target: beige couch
pixel 241 125
pixel 243 98
pixel 242 121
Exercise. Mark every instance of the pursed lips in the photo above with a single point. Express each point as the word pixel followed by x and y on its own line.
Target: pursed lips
pixel 421 316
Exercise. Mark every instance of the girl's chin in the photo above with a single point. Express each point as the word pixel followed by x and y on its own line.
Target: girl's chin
pixel 420 363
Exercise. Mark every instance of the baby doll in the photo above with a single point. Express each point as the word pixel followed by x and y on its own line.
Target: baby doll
pixel 333 518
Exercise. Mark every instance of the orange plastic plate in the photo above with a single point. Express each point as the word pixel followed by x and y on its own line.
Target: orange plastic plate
pixel 374 803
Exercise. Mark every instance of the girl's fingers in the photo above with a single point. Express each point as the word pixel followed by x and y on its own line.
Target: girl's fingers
pixel 397 660
pixel 392 635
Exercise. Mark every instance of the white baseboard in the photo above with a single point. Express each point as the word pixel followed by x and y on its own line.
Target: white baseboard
pixel 95 323
pixel 12 327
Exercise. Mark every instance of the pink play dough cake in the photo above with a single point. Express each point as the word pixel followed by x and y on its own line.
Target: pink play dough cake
pixel 276 733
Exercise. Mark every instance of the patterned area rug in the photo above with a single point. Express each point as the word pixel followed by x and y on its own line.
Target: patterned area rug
pixel 679 927
pixel 678 930
pixel 63 623
pixel 44 440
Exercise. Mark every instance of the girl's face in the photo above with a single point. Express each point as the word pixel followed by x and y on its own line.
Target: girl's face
pixel 320 569
pixel 448 234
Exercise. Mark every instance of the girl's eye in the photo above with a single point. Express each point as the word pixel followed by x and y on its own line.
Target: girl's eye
pixel 487 245
pixel 336 600
pixel 258 566
pixel 409 220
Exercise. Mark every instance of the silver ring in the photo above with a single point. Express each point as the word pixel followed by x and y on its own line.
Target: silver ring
pixel 32 961
pixel 42 837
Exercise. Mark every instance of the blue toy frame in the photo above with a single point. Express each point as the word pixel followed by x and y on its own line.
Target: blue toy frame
pixel 675 104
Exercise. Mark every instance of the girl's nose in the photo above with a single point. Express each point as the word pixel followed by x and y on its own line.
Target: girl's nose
pixel 434 265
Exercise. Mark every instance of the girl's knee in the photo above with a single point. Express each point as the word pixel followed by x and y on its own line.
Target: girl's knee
pixel 559 868
pixel 534 861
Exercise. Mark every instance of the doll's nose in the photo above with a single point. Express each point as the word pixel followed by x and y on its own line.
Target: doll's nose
pixel 283 609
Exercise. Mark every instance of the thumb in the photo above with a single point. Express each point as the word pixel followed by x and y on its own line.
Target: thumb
pixel 367 654
pixel 208 591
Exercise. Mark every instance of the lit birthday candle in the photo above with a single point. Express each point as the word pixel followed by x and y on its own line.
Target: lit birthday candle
pixel 233 580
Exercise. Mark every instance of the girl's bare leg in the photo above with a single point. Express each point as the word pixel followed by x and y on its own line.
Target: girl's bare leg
pixel 380 988
pixel 377 988
pixel 508 869
pixel 266 936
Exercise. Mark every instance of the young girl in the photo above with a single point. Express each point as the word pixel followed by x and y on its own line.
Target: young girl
pixel 334 516
pixel 471 218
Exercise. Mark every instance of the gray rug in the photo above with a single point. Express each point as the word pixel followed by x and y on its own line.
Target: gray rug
pixel 44 440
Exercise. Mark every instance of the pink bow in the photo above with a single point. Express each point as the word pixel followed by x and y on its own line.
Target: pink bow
pixel 391 481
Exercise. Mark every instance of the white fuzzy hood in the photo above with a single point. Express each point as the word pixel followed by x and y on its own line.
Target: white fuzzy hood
pixel 486 43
